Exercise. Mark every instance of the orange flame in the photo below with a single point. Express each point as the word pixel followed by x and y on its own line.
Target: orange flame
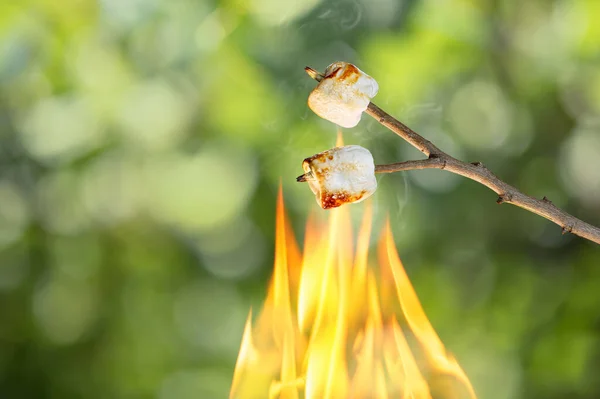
pixel 331 328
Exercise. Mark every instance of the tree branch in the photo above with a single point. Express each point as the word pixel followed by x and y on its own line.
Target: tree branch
pixel 437 159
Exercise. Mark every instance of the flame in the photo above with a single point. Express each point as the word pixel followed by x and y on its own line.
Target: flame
pixel 334 328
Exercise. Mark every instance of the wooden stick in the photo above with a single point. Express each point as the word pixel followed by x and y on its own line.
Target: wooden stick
pixel 437 159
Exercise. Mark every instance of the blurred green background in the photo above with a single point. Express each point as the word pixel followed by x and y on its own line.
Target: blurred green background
pixel 142 143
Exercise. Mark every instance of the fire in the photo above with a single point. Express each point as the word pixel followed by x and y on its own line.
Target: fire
pixel 334 328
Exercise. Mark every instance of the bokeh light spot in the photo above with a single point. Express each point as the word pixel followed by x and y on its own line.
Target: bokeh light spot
pixel 200 191
pixel 154 115
pixel 480 115
pixel 64 309
pixel 110 188
pixel 276 12
pixel 14 214
pixel 60 129
pixel 581 164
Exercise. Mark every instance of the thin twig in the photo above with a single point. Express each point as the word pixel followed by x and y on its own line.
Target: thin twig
pixel 437 159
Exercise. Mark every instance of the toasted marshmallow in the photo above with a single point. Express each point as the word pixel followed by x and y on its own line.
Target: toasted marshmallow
pixel 343 94
pixel 340 175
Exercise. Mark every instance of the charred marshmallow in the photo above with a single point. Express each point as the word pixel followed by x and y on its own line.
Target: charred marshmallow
pixel 341 175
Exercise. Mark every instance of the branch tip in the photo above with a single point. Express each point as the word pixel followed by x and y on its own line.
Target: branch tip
pixel 313 73
pixel 301 178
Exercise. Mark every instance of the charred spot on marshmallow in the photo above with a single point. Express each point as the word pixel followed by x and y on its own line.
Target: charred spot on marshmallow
pixel 340 198
pixel 340 175
pixel 350 74
pixel 343 94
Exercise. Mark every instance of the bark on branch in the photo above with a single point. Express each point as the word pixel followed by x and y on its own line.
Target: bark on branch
pixel 437 159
